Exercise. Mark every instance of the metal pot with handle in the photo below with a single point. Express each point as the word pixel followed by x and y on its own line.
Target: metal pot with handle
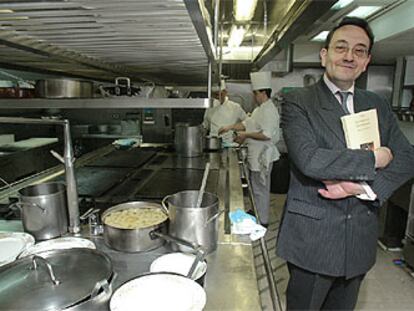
pixel 213 143
pixel 77 279
pixel 188 140
pixel 145 234
pixel 44 210
pixel 196 225
pixel 64 88
pixel 128 234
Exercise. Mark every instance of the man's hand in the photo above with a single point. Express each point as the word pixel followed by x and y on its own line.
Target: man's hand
pixel 340 189
pixel 224 129
pixel 240 138
pixel 383 157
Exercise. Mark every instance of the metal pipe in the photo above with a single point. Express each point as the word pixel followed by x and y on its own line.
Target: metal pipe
pixel 221 45
pixel 216 16
pixel 209 82
pixel 264 20
pixel 71 189
pixel 274 295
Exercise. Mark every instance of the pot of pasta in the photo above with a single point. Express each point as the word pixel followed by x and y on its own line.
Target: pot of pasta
pixel 128 227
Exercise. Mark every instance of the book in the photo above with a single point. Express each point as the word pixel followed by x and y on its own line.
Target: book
pixel 361 130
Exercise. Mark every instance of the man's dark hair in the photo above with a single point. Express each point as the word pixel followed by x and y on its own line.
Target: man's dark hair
pixel 354 21
pixel 268 92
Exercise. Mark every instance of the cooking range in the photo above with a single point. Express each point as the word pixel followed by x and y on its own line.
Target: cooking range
pixel 141 174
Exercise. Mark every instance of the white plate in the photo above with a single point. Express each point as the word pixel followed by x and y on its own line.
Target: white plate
pixel 58 243
pixel 159 292
pixel 178 263
pixel 12 244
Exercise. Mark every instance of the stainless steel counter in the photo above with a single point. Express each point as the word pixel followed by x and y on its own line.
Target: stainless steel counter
pixel 230 282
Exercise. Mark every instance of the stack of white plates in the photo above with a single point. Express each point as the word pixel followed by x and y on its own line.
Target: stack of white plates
pixel 12 244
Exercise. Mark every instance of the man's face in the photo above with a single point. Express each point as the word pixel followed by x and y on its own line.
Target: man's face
pixel 221 95
pixel 260 97
pixel 347 56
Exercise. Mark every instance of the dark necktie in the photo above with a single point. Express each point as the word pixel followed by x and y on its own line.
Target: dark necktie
pixel 344 99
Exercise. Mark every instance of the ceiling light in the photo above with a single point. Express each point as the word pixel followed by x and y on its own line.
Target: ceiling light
pixel 364 11
pixel 244 9
pixel 236 36
pixel 5 11
pixel 341 4
pixel 320 37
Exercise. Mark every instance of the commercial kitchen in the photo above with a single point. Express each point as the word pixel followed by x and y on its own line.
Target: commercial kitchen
pixel 101 105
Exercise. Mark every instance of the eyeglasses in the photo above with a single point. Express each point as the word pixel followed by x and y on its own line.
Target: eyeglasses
pixel 358 50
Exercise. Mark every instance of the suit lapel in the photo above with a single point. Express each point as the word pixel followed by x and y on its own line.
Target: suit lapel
pixel 330 110
pixel 361 104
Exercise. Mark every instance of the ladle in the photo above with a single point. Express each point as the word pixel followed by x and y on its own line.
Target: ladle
pixel 199 257
pixel 203 185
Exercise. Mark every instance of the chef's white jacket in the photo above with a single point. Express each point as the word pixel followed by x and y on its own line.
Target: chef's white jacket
pixel 261 153
pixel 221 115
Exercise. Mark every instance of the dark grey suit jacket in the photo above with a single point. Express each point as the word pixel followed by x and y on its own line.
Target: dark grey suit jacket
pixel 335 237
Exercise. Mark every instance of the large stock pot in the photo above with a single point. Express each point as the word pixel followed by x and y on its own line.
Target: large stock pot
pixel 197 225
pixel 44 210
pixel 188 140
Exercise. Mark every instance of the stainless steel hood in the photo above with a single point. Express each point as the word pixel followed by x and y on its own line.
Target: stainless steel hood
pixel 164 41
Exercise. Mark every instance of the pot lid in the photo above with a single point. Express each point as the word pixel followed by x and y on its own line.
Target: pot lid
pixel 58 243
pixel 76 270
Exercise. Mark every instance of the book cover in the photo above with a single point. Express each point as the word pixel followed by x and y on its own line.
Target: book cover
pixel 361 130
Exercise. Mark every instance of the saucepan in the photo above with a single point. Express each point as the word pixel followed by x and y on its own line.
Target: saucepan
pixel 138 226
pixel 213 143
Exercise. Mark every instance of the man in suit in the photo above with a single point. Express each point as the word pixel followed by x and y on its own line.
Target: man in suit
pixel 329 230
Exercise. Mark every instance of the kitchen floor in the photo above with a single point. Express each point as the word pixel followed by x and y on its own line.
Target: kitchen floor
pixel 387 286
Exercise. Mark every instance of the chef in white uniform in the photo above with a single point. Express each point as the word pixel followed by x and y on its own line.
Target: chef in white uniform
pixel 224 112
pixel 261 132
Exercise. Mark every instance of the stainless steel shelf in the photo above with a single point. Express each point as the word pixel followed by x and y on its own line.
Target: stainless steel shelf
pixel 120 102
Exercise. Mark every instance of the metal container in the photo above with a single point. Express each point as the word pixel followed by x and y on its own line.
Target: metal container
pixel 44 210
pixel 196 225
pixel 133 240
pixel 188 140
pixel 213 143
pixel 74 279
pixel 64 88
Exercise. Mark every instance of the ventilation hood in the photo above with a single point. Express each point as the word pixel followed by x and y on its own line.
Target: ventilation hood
pixel 164 41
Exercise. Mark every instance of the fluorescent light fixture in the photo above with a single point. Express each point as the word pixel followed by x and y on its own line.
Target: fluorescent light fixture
pixel 320 37
pixel 364 11
pixel 341 4
pixel 245 53
pixel 236 36
pixel 244 9
pixel 5 11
